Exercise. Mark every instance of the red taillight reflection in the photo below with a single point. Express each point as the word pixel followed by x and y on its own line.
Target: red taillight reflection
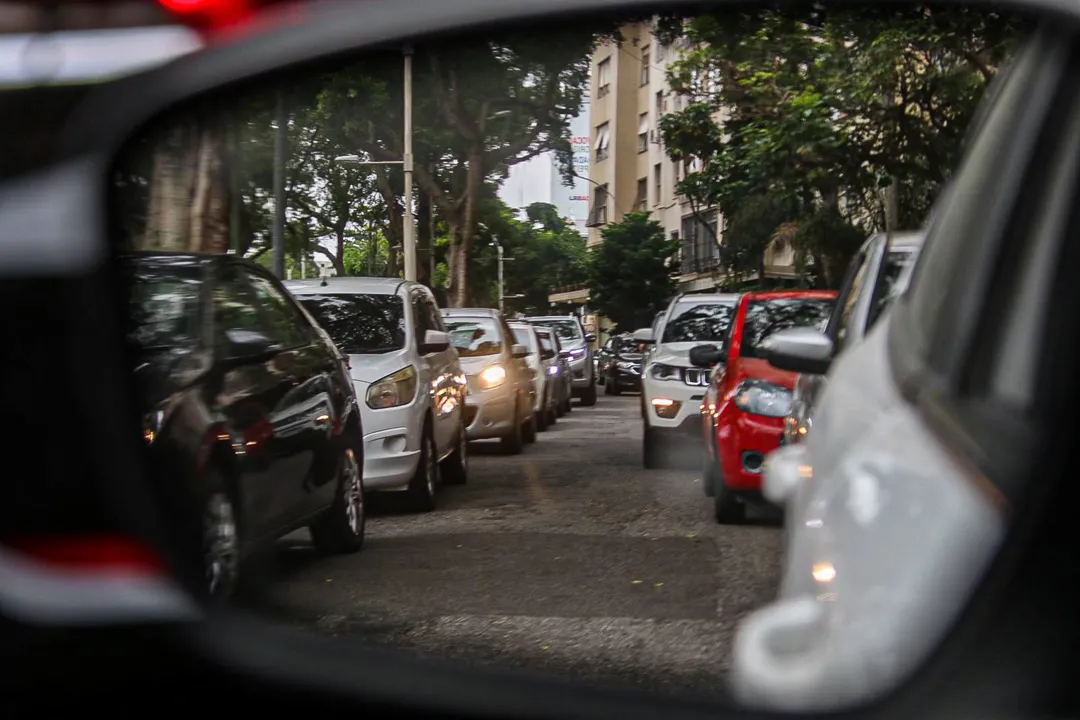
pixel 94 553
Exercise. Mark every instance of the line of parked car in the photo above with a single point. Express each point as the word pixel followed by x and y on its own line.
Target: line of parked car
pixel 274 406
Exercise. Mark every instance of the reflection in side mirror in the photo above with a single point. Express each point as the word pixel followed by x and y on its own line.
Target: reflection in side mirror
pixel 434 341
pixel 247 344
pixel 801 350
pixel 707 356
pixel 590 337
pixel 520 351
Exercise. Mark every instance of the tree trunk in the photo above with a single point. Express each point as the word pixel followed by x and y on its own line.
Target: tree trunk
pixel 424 240
pixel 339 261
pixel 462 239
pixel 394 220
pixel 209 224
pixel 457 290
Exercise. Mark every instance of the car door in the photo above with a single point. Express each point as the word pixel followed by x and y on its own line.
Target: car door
pixel 304 417
pixel 247 393
pixel 437 374
pixel 518 369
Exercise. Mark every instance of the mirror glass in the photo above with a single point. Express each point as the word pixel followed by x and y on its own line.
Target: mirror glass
pixel 591 171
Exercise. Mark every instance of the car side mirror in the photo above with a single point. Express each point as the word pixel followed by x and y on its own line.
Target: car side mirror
pixel 707 356
pixel 434 341
pixel 800 350
pixel 547 354
pixel 564 354
pixel 519 351
pixel 247 344
pixel 590 337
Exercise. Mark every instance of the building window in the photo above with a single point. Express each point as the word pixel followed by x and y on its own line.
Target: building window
pixel 658 183
pixel 603 78
pixel 700 250
pixel 643 132
pixel 603 141
pixel 645 65
pixel 641 201
pixel 598 212
pixel 661 51
pixel 659 104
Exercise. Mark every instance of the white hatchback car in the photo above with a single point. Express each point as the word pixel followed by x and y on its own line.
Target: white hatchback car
pixel 407 377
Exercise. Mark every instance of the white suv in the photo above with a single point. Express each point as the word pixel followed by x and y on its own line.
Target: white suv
pixel 671 387
pixel 407 377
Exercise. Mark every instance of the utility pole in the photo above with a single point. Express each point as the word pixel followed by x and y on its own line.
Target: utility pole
pixel 278 235
pixel 498 249
pixel 408 236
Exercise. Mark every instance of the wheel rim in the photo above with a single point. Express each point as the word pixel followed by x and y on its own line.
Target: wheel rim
pixel 220 544
pixel 353 490
pixel 430 467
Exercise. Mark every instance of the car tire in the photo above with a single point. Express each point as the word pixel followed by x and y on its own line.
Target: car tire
pixel 567 405
pixel 542 419
pixel 528 431
pixel 553 415
pixel 710 473
pixel 652 450
pixel 615 389
pixel 608 389
pixel 512 443
pixel 726 507
pixel 220 535
pixel 455 468
pixel 421 493
pixel 588 397
pixel 340 529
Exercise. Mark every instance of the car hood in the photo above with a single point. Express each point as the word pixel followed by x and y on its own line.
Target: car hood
pixel 759 369
pixel 629 357
pixel 473 365
pixel 369 368
pixel 675 353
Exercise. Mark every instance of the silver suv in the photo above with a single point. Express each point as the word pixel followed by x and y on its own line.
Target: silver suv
pixel 578 344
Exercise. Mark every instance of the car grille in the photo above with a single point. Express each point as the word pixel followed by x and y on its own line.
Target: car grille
pixel 696 377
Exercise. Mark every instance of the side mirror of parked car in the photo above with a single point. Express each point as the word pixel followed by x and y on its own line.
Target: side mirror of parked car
pixel 547 354
pixel 434 341
pixel 707 356
pixel 244 344
pixel 801 350
pixel 564 354
pixel 519 351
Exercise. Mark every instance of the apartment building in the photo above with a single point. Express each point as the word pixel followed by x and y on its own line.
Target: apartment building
pixel 629 169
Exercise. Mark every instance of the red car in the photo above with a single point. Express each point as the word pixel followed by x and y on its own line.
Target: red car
pixel 743 411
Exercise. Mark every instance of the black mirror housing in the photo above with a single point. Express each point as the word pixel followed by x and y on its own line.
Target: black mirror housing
pixel 707 356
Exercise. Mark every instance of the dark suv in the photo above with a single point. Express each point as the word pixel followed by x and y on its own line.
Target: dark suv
pixel 578 344
pixel 250 415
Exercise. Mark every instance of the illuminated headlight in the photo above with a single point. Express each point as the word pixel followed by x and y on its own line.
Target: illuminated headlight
pixel 758 397
pixel 659 371
pixel 491 376
pixel 393 390
pixel 553 370
pixel 577 353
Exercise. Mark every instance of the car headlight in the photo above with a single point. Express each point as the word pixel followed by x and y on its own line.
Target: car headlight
pixel 577 353
pixel 491 376
pixel 659 371
pixel 758 397
pixel 393 390
pixel 553 370
pixel 625 365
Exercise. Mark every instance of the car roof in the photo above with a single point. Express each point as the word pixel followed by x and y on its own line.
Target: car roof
pixel 537 318
pixel 719 298
pixel 792 295
pixel 470 312
pixel 347 286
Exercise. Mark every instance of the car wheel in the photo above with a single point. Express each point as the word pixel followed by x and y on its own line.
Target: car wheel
pixel 220 545
pixel 726 507
pixel 421 492
pixel 608 389
pixel 512 442
pixel 529 428
pixel 615 389
pixel 588 397
pixel 455 468
pixel 710 474
pixel 567 405
pixel 553 414
pixel 651 450
pixel 341 528
pixel 542 419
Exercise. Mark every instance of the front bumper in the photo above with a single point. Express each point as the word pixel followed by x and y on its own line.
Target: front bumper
pixel 489 413
pixel 391 445
pixel 625 378
pixel 581 372
pixel 743 442
pixel 680 402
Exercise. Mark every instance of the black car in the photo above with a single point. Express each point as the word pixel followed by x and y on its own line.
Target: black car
pixel 250 416
pixel 619 364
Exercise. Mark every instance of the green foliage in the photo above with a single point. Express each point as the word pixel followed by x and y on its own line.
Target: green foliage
pixel 823 108
pixel 631 273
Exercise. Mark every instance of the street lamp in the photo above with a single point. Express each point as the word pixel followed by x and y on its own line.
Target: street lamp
pixel 408 231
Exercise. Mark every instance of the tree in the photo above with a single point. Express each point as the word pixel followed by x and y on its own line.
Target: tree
pixel 824 108
pixel 631 273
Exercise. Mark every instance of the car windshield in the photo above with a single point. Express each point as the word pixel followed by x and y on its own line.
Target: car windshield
pixel 474 336
pixel 566 329
pixel 522 337
pixel 698 322
pixel 546 343
pixel 360 324
pixel 765 317
pixel 165 307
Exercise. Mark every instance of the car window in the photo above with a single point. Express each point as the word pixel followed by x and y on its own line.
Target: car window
pixel 474 336
pixel 896 266
pixel 546 343
pixel 165 307
pixel 846 308
pixel 286 324
pixel 360 324
pixel 522 337
pixel 568 329
pixel 767 316
pixel 235 308
pixel 698 322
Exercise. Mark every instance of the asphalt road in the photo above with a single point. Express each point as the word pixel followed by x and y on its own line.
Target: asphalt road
pixel 569 559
